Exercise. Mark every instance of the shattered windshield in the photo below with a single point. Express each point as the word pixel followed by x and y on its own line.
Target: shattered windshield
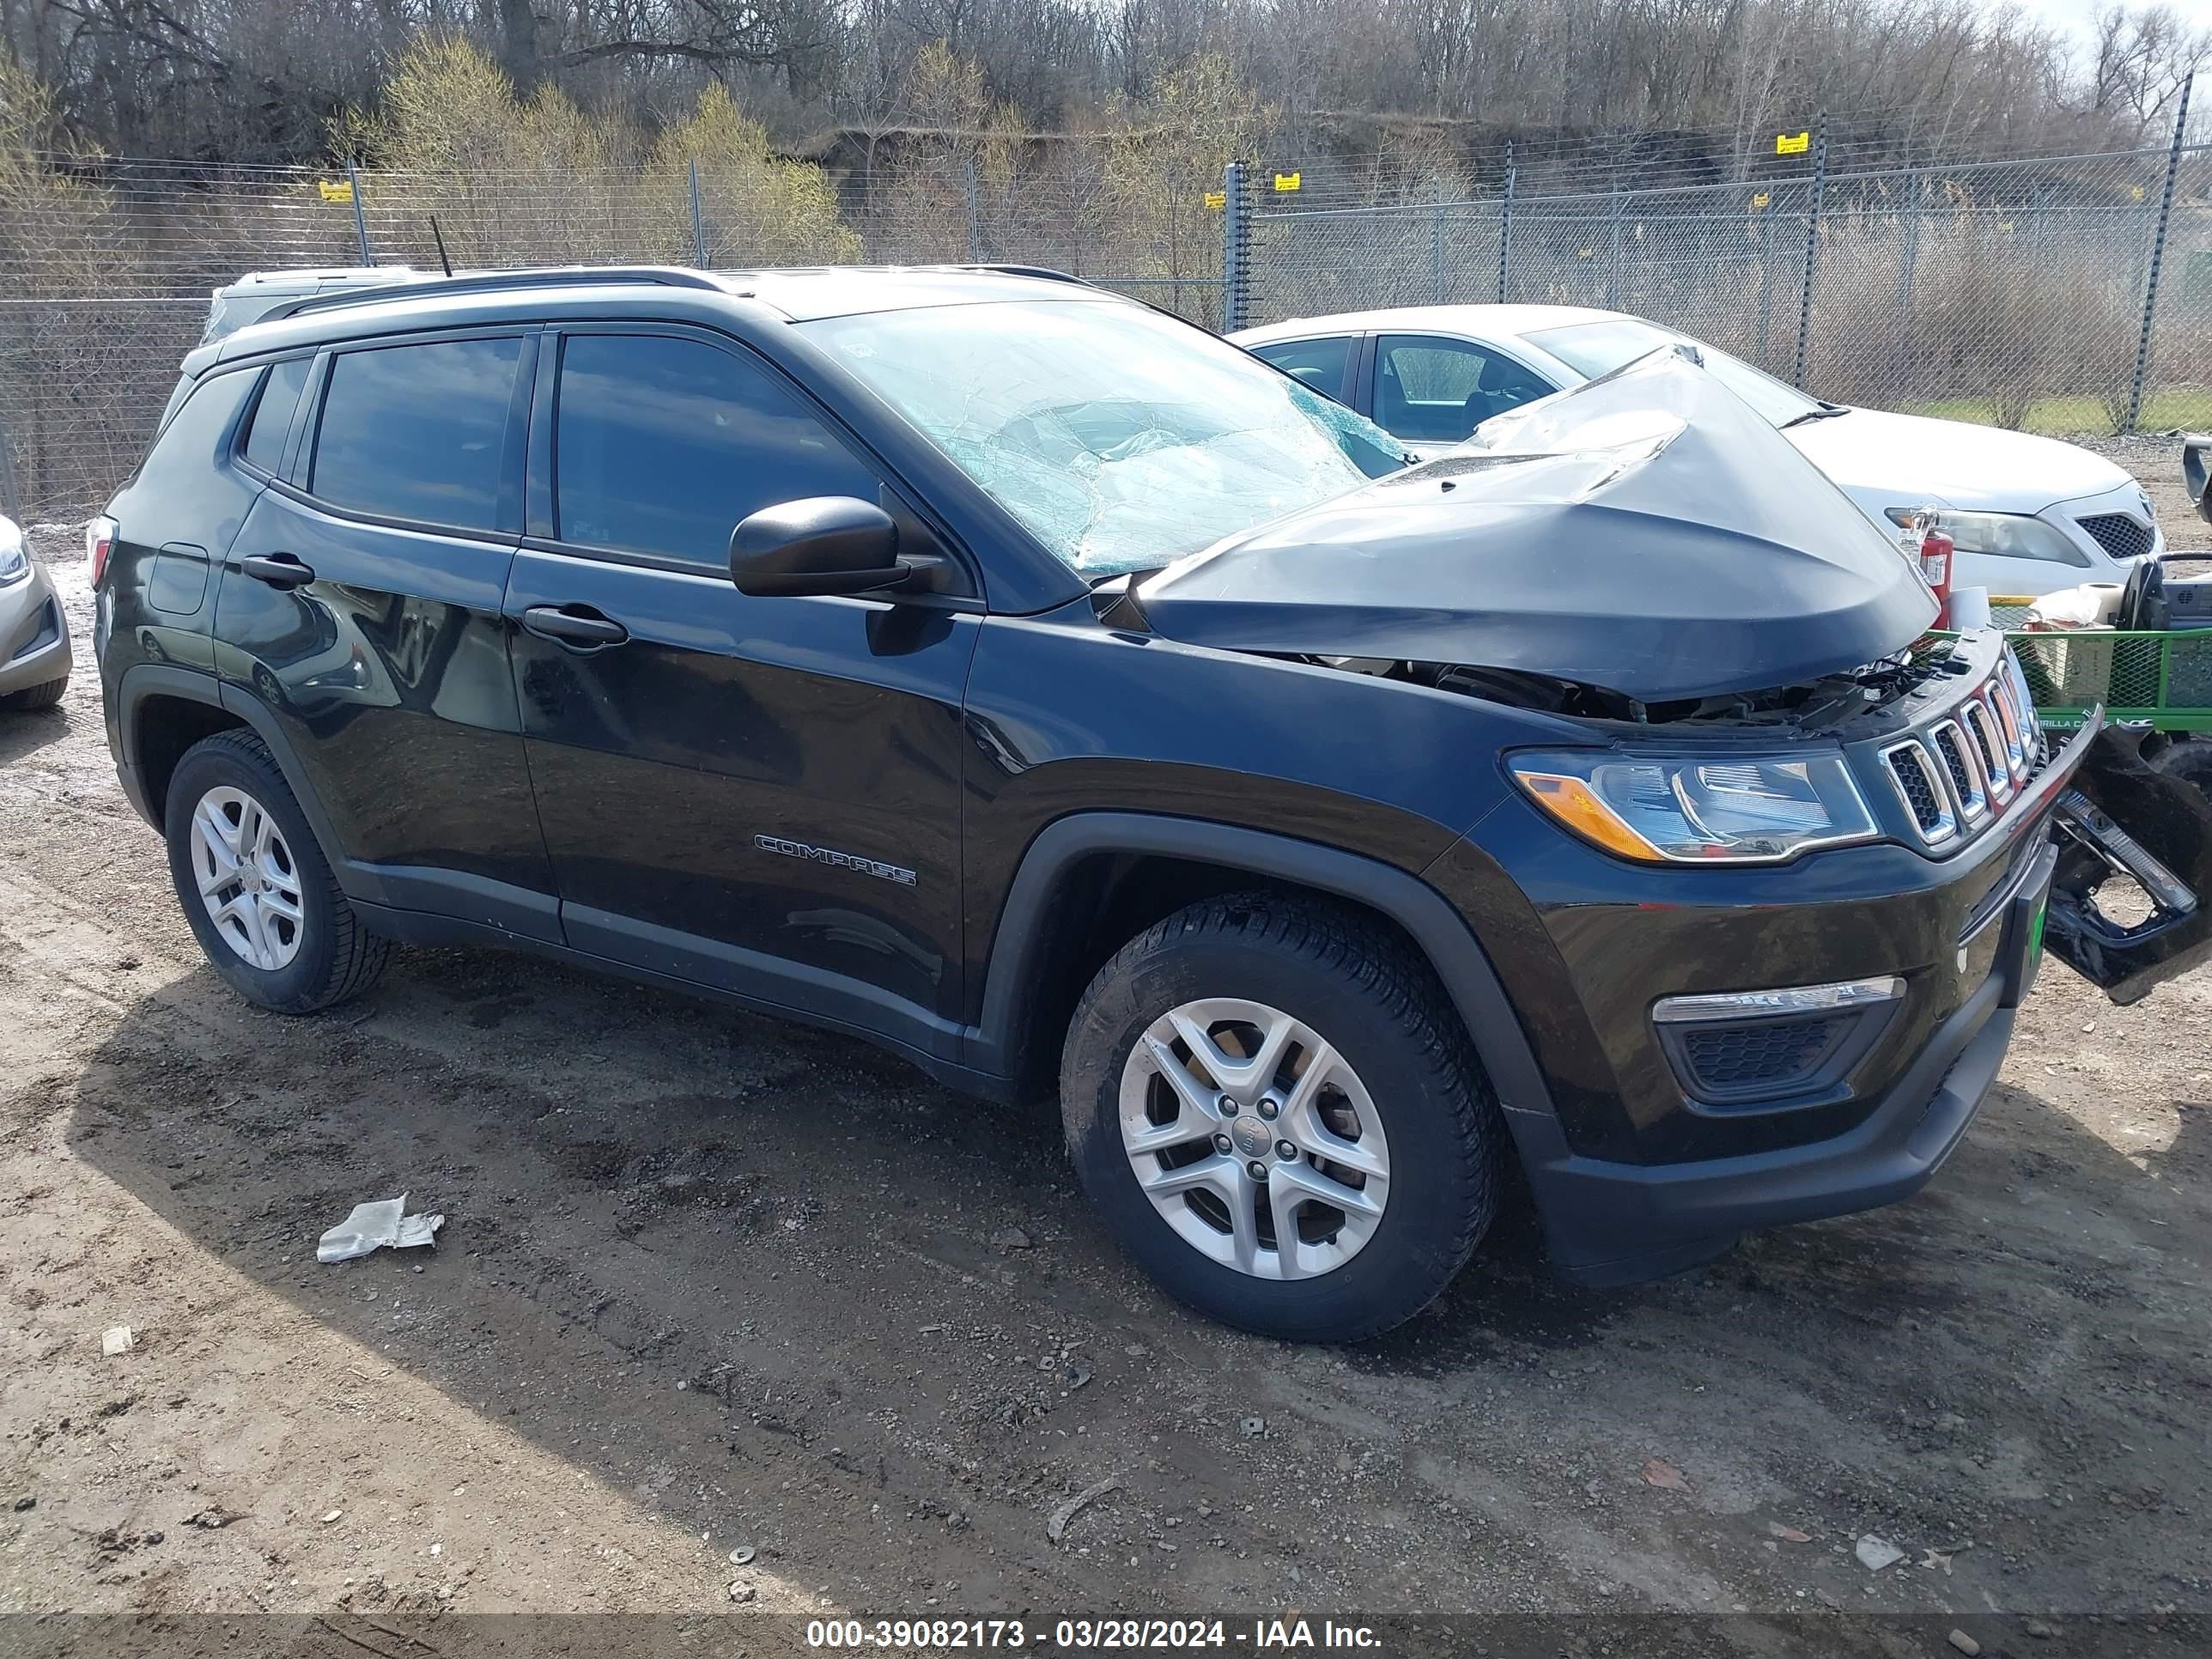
pixel 1121 438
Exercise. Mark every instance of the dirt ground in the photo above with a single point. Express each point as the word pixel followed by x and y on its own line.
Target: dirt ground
pixel 710 1284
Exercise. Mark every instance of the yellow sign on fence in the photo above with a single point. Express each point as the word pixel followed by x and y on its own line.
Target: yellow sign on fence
pixel 1792 143
pixel 335 189
pixel 1762 200
pixel 1217 198
pixel 1287 180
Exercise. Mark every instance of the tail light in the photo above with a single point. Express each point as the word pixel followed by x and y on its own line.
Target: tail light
pixel 99 543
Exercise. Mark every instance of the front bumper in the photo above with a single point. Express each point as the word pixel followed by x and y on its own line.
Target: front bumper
pixel 1616 1224
pixel 1632 1176
pixel 34 642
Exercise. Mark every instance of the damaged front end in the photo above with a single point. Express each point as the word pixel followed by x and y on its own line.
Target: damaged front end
pixel 2139 838
pixel 1648 559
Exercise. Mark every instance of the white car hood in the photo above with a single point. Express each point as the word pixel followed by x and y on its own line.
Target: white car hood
pixel 1884 461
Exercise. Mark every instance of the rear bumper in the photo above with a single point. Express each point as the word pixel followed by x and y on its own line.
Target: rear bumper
pixel 1616 1224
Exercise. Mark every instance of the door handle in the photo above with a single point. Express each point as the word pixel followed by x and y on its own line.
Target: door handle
pixel 279 570
pixel 573 625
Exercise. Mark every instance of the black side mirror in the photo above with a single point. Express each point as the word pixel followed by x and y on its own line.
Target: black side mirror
pixel 822 544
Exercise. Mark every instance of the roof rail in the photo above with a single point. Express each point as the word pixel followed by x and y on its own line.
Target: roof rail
pixel 1044 273
pixel 477 281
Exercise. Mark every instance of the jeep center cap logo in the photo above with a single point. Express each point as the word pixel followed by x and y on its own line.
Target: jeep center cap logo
pixel 1251 1137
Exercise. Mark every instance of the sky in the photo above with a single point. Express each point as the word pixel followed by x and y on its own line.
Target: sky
pixel 2074 15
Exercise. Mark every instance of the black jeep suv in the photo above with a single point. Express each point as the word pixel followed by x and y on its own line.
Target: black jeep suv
pixel 999 670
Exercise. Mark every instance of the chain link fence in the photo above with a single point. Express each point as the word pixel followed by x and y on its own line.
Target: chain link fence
pixel 2011 292
pixel 2014 293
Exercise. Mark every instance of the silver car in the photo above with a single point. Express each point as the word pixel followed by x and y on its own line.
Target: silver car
pixel 34 642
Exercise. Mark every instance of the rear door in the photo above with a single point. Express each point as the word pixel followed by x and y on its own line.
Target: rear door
pixel 759 795
pixel 360 604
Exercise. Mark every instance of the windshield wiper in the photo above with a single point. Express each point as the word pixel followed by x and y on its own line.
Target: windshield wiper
pixel 1825 411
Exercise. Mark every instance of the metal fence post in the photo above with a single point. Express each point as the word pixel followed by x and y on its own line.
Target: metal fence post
pixel 698 221
pixel 2158 257
pixel 1612 271
pixel 1765 285
pixel 11 500
pixel 1908 252
pixel 1812 245
pixel 1436 251
pixel 360 218
pixel 1236 251
pixel 971 197
pixel 1505 226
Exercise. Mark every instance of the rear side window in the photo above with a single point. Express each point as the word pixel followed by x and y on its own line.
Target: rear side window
pixel 418 431
pixel 271 420
pixel 661 445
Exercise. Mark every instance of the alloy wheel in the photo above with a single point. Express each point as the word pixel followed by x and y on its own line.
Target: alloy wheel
pixel 247 878
pixel 1254 1139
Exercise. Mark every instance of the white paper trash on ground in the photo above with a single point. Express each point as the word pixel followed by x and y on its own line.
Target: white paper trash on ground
pixel 374 1226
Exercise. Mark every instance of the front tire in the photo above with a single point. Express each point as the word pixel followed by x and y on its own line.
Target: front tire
pixel 255 887
pixel 1279 1115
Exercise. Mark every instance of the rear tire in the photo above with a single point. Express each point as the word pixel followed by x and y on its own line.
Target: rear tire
pixel 241 850
pixel 1403 1129
pixel 36 697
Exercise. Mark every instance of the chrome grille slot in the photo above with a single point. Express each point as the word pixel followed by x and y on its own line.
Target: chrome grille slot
pixel 1953 744
pixel 2009 717
pixel 2030 729
pixel 1912 770
pixel 1989 747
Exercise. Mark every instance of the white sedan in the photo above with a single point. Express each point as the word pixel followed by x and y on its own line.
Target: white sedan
pixel 2030 515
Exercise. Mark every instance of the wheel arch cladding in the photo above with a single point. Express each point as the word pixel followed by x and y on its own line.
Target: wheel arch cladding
pixel 164 726
pixel 1046 908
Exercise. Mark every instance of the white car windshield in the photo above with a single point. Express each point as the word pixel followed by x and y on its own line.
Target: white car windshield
pixel 1596 349
pixel 1120 438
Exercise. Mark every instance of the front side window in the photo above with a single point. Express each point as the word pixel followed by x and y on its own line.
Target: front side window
pixel 1319 363
pixel 1120 439
pixel 1429 388
pixel 418 432
pixel 662 445
pixel 1597 349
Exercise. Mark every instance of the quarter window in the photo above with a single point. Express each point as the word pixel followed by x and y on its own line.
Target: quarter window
pixel 661 445
pixel 271 420
pixel 418 432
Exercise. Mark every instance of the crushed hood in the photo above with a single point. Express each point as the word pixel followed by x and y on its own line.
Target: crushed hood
pixel 1646 532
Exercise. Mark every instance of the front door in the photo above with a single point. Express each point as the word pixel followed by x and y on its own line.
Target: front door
pixel 758 794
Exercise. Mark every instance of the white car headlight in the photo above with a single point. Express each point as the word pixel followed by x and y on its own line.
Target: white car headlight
pixel 1715 809
pixel 2003 535
pixel 14 562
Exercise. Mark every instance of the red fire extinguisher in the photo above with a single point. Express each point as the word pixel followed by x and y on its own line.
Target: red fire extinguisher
pixel 1935 551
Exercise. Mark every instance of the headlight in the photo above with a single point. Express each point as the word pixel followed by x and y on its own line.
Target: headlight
pixel 1663 809
pixel 2003 535
pixel 15 563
